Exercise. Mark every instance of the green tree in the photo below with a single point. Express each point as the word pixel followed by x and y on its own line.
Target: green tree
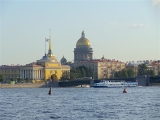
pixel 80 72
pixel 142 69
pixel 74 73
pixel 83 73
pixel 118 74
pixel 18 80
pixel 27 80
pixel 90 71
pixel 150 73
pixel 1 78
pixel 68 63
pixel 124 73
pixel 12 79
pixel 87 72
pixel 130 72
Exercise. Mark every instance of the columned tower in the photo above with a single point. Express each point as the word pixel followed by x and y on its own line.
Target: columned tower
pixel 83 50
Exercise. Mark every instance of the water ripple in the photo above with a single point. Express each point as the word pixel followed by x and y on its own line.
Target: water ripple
pixel 80 104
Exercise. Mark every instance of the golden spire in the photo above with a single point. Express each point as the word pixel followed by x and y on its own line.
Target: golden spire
pixel 50 54
pixel 50 46
pixel 50 42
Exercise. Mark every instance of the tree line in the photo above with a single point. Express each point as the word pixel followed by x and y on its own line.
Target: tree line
pixel 80 72
pixel 142 70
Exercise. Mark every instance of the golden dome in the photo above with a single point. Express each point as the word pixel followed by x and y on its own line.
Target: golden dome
pixel 83 41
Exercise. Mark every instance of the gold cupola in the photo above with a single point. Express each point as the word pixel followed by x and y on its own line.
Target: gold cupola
pixel 83 41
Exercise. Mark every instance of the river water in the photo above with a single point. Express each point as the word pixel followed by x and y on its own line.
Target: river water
pixel 140 103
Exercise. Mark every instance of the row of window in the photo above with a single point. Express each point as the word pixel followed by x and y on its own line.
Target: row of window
pixel 12 76
pixel 9 71
pixel 113 68
pixel 87 65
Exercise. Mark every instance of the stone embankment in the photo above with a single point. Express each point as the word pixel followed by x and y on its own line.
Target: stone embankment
pixel 23 85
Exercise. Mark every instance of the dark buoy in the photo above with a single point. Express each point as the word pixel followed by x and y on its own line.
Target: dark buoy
pixel 50 91
pixel 124 91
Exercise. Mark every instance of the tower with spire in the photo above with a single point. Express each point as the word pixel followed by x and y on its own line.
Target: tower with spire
pixel 50 54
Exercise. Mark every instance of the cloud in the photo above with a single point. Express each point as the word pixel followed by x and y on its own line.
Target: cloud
pixel 156 2
pixel 112 23
pixel 135 25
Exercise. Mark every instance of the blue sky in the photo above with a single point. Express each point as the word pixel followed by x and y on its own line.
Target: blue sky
pixel 118 29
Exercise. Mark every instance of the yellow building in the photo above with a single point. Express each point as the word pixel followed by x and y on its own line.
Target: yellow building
pixel 10 72
pixel 47 68
pixel 102 68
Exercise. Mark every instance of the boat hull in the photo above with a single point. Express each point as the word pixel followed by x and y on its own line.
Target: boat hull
pixel 109 84
pixel 112 86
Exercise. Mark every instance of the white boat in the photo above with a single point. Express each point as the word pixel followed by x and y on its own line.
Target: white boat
pixel 109 84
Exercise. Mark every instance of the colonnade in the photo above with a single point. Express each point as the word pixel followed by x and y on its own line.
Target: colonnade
pixel 82 56
pixel 32 74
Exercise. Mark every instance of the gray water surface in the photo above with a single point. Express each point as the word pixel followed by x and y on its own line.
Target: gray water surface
pixel 140 103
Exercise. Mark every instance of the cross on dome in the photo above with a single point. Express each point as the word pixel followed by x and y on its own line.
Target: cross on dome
pixel 83 35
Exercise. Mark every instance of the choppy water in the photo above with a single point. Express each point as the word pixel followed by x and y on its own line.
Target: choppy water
pixel 80 104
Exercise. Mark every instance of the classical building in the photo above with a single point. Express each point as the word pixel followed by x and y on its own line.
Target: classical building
pixel 83 50
pixel 47 68
pixel 10 71
pixel 102 68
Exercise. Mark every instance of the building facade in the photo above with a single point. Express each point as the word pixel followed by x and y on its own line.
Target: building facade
pixel 10 72
pixel 47 68
pixel 102 68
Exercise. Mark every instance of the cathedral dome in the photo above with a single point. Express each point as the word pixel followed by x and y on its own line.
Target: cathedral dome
pixel 83 41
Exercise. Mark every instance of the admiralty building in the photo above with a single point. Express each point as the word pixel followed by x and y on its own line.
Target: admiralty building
pixel 46 68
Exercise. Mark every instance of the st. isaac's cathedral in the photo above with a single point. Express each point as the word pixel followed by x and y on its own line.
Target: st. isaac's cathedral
pixel 102 68
pixel 83 50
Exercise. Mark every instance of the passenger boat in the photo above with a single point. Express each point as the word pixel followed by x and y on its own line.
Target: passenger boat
pixel 109 84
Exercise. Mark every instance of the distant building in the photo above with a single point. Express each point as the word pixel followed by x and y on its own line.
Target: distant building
pixel 102 68
pixel 47 68
pixel 83 50
pixel 63 61
pixel 10 71
pixel 151 64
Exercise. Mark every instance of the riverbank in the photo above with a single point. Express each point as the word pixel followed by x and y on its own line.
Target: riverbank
pixel 23 85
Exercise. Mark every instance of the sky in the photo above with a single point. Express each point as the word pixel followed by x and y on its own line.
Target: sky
pixel 124 30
